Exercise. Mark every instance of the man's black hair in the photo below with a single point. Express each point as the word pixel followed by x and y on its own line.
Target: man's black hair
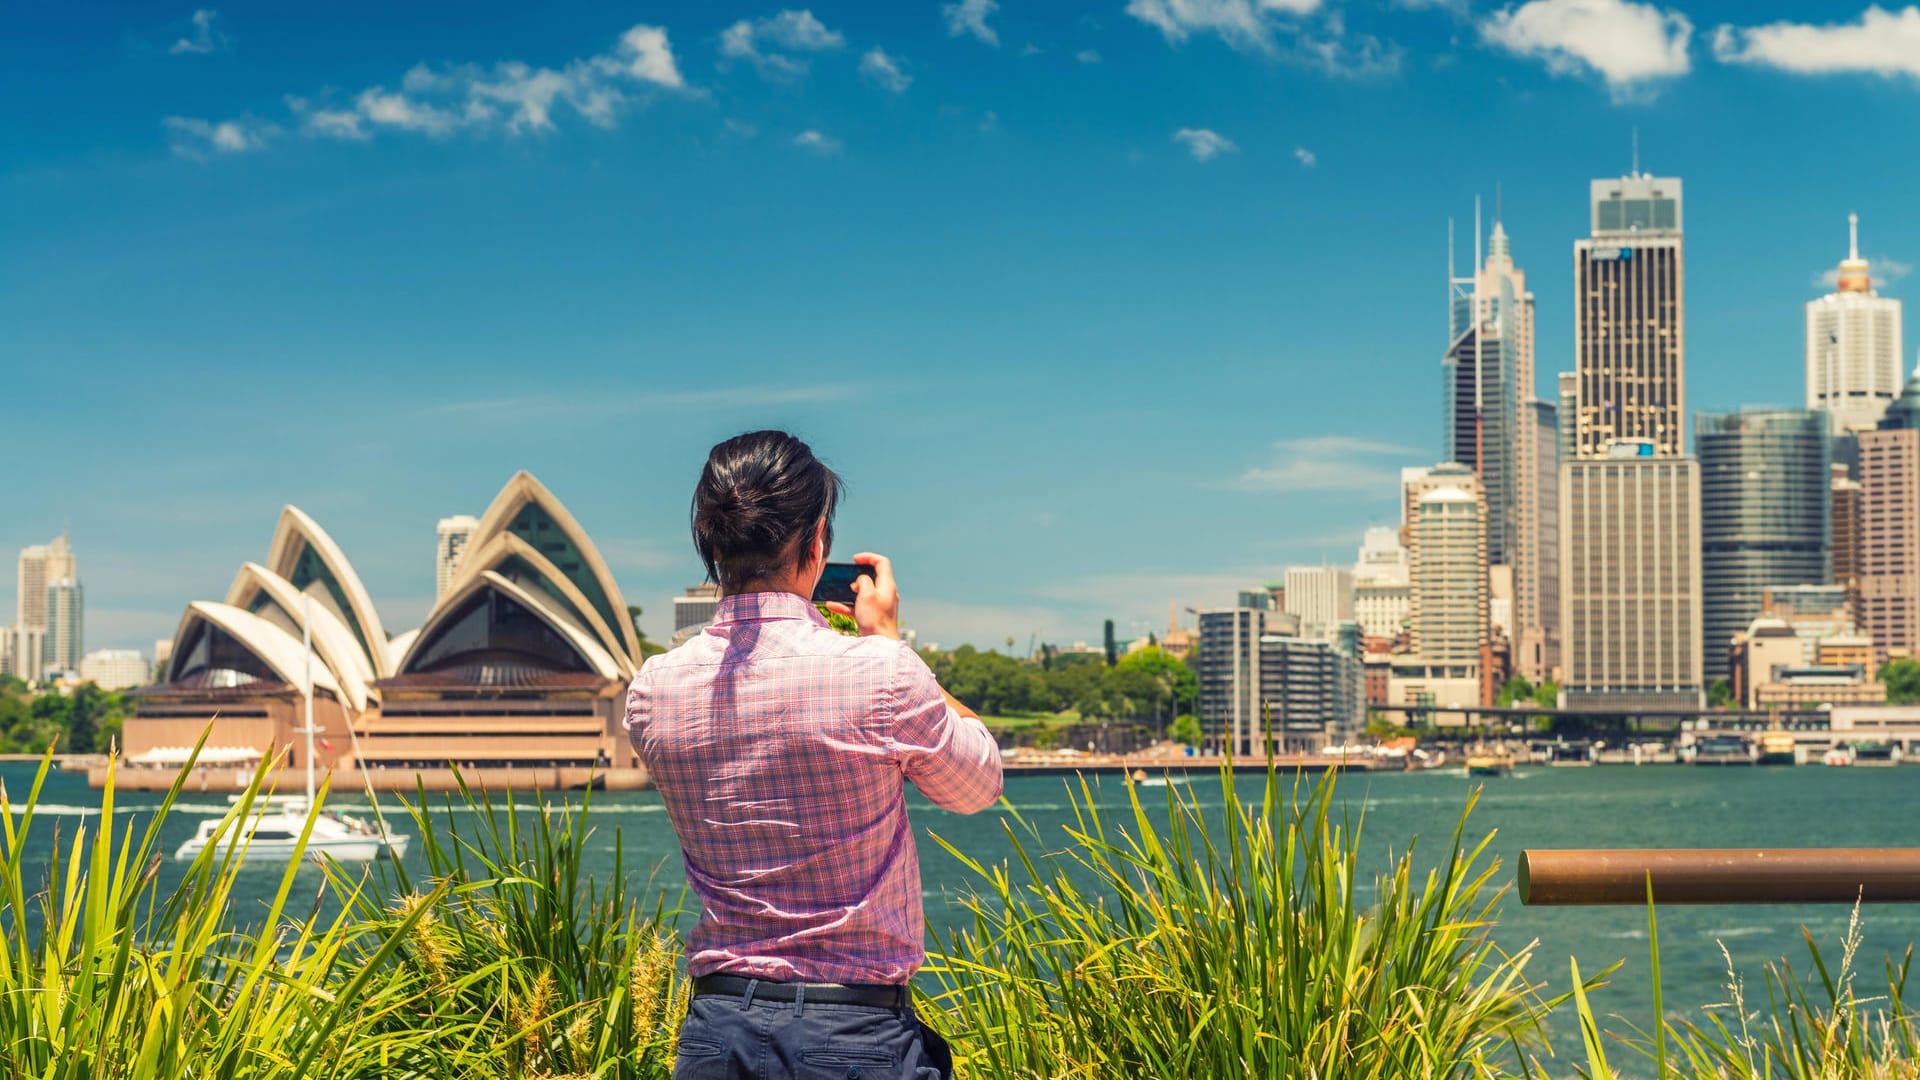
pixel 756 506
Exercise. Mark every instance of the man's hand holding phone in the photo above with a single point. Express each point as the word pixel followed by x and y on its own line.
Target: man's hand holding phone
pixel 876 599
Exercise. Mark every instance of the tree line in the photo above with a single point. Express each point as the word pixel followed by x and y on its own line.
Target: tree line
pixel 1147 685
pixel 83 721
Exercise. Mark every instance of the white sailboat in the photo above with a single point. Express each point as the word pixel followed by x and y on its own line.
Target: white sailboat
pixel 272 834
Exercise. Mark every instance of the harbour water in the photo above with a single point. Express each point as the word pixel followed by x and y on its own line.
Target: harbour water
pixel 1536 807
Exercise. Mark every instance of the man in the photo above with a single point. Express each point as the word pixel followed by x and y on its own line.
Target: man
pixel 782 749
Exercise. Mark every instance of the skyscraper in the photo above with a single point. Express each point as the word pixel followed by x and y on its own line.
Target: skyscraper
pixel 452 534
pixel 1853 346
pixel 1230 713
pixel 1764 504
pixel 1629 318
pixel 1845 521
pixel 1569 410
pixel 1537 590
pixel 1448 613
pixel 1322 596
pixel 41 566
pixel 1381 586
pixel 1887 570
pixel 66 625
pixel 1630 579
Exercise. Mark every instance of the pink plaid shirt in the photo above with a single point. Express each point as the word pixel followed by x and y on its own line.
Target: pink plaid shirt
pixel 782 749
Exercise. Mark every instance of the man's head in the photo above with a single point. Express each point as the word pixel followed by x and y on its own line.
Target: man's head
pixel 763 512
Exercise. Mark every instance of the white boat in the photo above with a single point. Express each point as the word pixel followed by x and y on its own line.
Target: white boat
pixel 272 833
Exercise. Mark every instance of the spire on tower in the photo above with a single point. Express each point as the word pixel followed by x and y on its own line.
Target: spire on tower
pixel 1855 277
pixel 1853 236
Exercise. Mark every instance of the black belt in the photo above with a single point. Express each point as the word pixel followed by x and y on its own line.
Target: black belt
pixel 875 995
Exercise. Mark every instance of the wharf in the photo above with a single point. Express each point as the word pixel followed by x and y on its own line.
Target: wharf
pixel 1037 763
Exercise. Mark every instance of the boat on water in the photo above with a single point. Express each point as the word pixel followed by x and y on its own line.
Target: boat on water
pixel 1777 748
pixel 272 831
pixel 1838 755
pixel 1490 761
pixel 273 835
pixel 1722 749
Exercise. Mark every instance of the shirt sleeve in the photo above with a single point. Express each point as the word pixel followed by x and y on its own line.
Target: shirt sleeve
pixel 951 758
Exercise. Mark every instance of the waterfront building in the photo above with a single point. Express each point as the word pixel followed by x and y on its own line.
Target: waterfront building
pixel 521 664
pixel 1819 686
pixel 451 537
pixel 1853 346
pixel 116 669
pixel 694 611
pixel 1382 587
pixel 1230 680
pixel 1765 491
pixel 1322 596
pixel 1448 613
pixel 23 650
pixel 66 624
pixel 1887 570
pixel 1630 319
pixel 1630 577
pixel 1310 688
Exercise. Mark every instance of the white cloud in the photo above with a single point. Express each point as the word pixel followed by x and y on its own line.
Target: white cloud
pixel 759 40
pixel 1307 158
pixel 1629 45
pixel 196 138
pixel 1327 463
pixel 512 95
pixel 970 17
pixel 1087 56
pixel 1205 145
pixel 1885 272
pixel 1881 42
pixel 1244 24
pixel 884 71
pixel 204 39
pixel 816 142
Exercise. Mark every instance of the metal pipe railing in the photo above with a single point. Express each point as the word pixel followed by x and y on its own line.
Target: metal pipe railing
pixel 1721 876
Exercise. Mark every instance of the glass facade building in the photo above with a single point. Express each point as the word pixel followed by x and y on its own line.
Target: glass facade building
pixel 1764 516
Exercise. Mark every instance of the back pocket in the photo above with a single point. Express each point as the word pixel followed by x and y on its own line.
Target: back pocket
pixel 849 1062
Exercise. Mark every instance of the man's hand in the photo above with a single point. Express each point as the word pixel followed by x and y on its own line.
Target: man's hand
pixel 876 599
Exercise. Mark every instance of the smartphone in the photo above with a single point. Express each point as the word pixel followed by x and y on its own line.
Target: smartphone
pixel 836 582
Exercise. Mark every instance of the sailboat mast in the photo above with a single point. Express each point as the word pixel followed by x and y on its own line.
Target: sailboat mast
pixel 306 641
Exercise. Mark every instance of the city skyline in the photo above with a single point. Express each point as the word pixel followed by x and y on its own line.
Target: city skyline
pixel 1091 299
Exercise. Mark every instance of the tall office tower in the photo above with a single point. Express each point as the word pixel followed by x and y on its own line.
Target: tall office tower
pixel 40 566
pixel 1230 712
pixel 1887 572
pixel 1630 579
pixel 66 625
pixel 1487 373
pixel 1844 518
pixel 1322 596
pixel 1853 346
pixel 452 536
pixel 1448 612
pixel 1569 411
pixel 1537 591
pixel 1630 319
pixel 1764 506
pixel 25 650
pixel 1381 586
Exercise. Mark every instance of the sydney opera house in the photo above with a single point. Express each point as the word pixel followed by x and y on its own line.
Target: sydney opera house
pixel 517 675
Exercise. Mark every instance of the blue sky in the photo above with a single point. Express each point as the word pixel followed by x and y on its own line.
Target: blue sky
pixel 1097 306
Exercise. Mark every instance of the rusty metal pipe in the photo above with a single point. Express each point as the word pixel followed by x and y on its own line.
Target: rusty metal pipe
pixel 1720 876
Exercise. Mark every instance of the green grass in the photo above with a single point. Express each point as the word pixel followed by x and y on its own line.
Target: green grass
pixel 1164 940
pixel 1031 720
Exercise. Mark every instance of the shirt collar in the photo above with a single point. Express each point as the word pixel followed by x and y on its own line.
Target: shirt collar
pixel 765 607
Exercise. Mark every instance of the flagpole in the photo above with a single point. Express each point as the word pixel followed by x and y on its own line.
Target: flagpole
pixel 306 640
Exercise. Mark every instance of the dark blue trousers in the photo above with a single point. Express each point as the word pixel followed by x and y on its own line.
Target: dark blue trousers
pixel 738 1038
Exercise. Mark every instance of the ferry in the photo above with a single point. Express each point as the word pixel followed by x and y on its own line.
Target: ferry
pixel 1490 761
pixel 1838 755
pixel 1777 748
pixel 1722 750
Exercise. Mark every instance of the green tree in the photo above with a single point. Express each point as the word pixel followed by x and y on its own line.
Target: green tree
pixel 1547 695
pixel 1719 694
pixel 1181 682
pixel 1113 647
pixel 1902 679
pixel 1185 729
pixel 88 707
pixel 1516 688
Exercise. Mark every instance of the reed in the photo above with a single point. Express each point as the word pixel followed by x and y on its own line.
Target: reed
pixel 1191 944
